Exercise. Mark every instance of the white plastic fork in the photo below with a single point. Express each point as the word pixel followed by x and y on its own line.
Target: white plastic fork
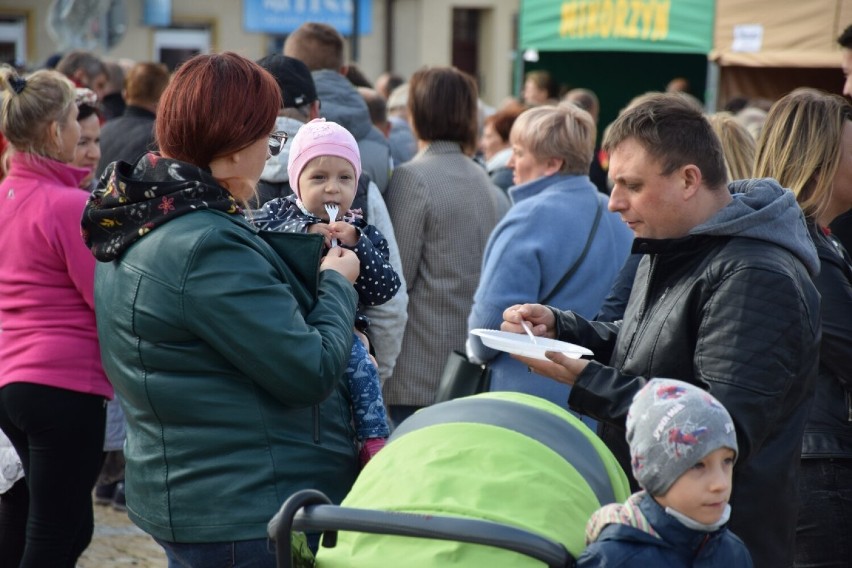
pixel 332 211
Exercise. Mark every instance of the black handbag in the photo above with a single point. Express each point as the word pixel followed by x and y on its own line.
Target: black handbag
pixel 462 378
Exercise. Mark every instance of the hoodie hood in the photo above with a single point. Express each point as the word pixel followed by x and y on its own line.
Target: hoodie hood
pixel 341 103
pixel 761 209
pixel 275 170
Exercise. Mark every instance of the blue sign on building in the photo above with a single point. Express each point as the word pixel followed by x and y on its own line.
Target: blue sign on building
pixel 284 16
pixel 157 13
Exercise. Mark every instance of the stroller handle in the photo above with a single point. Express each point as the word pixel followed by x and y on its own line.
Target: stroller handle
pixel 310 510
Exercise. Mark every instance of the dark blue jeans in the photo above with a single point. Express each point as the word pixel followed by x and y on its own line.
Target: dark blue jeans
pixel 59 436
pixel 258 553
pixel 824 528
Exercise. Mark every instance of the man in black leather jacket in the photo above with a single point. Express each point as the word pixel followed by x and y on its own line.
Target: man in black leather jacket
pixel 723 299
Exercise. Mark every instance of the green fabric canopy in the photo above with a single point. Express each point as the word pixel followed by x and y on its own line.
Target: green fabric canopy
pixel 667 26
pixel 507 458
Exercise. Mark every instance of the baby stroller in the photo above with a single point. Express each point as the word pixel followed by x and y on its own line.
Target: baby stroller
pixel 495 479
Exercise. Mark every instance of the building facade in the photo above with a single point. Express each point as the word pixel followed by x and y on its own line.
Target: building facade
pixel 478 36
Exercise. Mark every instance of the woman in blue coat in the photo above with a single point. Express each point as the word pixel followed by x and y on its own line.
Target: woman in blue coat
pixel 555 211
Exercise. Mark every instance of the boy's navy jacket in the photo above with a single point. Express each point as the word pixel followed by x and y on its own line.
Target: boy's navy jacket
pixel 643 534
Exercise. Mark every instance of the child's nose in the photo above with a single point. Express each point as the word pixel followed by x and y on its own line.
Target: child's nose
pixel 721 480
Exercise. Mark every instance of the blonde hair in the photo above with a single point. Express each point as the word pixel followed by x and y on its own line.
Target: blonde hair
pixel 738 145
pixel 28 111
pixel 800 146
pixel 565 132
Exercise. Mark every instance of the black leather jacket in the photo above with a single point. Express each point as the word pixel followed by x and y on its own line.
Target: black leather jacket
pixel 828 433
pixel 740 318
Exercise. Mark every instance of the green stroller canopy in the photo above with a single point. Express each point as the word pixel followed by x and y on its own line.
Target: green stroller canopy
pixel 508 458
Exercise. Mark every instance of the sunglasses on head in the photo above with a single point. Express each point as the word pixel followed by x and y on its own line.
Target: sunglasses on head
pixel 277 141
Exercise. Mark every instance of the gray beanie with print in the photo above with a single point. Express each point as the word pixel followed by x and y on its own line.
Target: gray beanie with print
pixel 671 426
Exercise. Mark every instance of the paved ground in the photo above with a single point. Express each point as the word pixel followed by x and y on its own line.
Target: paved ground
pixel 118 543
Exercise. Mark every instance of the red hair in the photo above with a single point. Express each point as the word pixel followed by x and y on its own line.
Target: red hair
pixel 215 105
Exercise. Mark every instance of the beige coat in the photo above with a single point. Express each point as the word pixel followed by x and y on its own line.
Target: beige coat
pixel 443 207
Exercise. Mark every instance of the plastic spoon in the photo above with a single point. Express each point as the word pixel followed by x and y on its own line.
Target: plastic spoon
pixel 528 329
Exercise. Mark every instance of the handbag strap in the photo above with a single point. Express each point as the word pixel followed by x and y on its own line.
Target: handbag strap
pixel 579 260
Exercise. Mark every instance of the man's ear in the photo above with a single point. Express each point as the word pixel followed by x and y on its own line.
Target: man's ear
pixel 692 178
pixel 344 70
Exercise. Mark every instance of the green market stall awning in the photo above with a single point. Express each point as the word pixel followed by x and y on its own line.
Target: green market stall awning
pixel 664 26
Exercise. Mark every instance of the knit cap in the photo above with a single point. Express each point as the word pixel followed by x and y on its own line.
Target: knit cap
pixel 321 138
pixel 671 426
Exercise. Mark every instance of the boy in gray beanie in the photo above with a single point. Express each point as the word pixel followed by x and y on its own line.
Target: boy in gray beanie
pixel 682 448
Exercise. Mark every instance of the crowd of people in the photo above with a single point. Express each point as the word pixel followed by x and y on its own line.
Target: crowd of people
pixel 204 312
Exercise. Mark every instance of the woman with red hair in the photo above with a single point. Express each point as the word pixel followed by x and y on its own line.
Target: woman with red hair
pixel 226 345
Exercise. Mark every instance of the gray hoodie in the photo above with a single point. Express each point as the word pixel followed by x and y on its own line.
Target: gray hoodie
pixel 275 170
pixel 761 209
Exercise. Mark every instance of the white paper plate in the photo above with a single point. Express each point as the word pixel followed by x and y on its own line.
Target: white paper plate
pixel 521 344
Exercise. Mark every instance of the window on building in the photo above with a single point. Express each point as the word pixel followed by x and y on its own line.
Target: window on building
pixel 175 45
pixel 13 40
pixel 466 40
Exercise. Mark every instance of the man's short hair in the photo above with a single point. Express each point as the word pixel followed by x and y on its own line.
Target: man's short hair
pixel 845 39
pixel 375 104
pixel 356 76
pixel 145 83
pixel 586 99
pixel 673 131
pixel 391 81
pixel 318 45
pixel 91 64
pixel 115 76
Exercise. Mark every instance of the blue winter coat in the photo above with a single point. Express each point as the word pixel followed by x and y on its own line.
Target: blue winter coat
pixel 529 252
pixel 667 543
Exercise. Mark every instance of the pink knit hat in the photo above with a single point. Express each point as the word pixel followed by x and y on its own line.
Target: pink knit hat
pixel 321 138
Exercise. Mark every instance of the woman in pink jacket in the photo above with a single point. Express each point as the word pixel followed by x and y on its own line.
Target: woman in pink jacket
pixel 52 386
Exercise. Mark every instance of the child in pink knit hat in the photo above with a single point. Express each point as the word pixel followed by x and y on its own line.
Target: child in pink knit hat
pixel 324 166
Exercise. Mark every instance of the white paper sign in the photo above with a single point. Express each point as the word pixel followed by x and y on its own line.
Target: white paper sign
pixel 748 38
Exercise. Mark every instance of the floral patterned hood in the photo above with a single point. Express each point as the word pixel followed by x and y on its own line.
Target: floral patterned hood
pixel 130 201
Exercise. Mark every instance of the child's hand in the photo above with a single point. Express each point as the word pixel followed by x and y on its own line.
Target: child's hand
pixel 343 261
pixel 345 233
pixel 366 342
pixel 321 229
pixel 370 448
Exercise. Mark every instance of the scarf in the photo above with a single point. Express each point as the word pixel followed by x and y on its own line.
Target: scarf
pixel 131 201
